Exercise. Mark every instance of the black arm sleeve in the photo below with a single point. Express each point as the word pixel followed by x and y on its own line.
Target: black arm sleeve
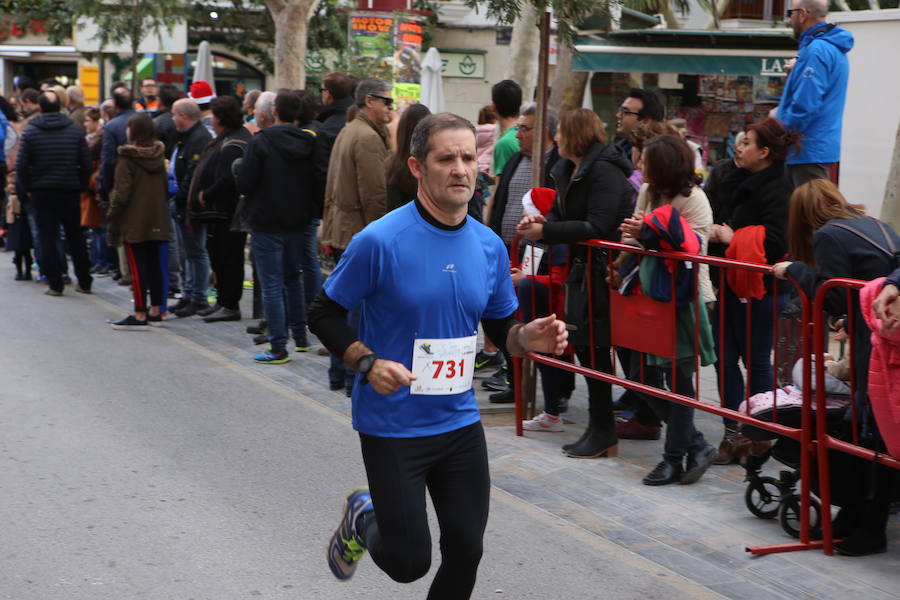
pixel 328 321
pixel 498 329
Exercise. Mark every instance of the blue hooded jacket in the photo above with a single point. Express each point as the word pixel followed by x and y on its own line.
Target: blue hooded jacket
pixel 815 91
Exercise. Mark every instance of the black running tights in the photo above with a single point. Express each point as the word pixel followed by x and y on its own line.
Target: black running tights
pixel 453 466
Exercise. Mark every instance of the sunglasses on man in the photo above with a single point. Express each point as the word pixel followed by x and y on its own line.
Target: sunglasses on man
pixel 387 101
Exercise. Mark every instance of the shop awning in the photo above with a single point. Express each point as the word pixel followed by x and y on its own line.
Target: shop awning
pixel 687 52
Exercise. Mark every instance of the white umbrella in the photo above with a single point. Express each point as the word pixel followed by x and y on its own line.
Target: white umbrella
pixel 432 82
pixel 203 68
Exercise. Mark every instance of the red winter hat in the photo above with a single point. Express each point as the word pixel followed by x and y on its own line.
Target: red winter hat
pixel 538 200
pixel 201 92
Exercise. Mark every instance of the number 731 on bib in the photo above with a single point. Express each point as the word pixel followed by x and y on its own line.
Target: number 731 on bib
pixel 443 365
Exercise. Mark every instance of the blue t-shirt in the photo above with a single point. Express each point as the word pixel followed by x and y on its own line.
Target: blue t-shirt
pixel 414 280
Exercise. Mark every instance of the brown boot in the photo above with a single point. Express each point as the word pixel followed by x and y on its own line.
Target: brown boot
pixel 732 448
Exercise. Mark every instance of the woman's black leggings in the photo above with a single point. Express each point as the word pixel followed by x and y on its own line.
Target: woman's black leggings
pixel 453 466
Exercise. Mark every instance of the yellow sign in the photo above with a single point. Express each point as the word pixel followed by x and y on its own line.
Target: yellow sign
pixel 406 94
pixel 89 77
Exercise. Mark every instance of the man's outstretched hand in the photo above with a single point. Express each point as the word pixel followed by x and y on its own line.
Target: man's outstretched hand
pixel 547 335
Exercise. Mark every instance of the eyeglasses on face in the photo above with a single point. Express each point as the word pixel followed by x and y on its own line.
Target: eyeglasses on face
pixel 624 111
pixel 524 128
pixel 791 11
pixel 387 101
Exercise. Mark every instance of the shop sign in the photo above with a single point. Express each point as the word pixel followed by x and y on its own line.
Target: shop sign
pixel 467 65
pixel 772 66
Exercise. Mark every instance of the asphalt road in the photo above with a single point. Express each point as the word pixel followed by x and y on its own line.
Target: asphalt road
pixel 148 466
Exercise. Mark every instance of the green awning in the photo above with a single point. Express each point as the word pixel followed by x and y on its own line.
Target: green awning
pixel 666 62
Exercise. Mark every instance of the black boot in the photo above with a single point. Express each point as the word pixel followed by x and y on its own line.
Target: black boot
pixel 869 535
pixel 595 443
pixel 584 436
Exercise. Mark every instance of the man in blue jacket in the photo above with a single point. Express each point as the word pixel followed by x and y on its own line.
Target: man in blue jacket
pixel 815 91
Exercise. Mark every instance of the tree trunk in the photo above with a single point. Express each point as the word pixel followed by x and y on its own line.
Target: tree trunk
pixel 890 207
pixel 135 59
pixel 718 8
pixel 567 90
pixel 665 9
pixel 291 19
pixel 523 51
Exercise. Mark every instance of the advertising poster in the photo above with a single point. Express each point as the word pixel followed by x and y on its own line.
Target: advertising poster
pixel 372 44
pixel 389 46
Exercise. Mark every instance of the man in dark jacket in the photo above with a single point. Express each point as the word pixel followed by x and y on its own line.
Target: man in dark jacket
pixel 213 200
pixel 192 140
pixel 337 96
pixel 277 178
pixel 165 126
pixel 114 135
pixel 506 212
pixel 53 167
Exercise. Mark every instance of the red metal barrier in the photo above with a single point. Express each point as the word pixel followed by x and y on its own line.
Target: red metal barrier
pixel 802 435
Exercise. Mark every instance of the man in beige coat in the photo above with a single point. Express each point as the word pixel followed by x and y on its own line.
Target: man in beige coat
pixel 355 191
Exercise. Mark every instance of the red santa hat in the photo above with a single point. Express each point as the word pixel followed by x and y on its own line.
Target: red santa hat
pixel 201 92
pixel 537 201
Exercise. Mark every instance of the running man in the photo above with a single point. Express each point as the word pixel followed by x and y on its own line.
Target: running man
pixel 425 275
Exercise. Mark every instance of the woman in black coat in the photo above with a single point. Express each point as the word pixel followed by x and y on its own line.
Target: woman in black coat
pixel 755 194
pixel 831 239
pixel 593 197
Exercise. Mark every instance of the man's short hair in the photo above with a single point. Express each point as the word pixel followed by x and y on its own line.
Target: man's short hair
pixel 228 111
pixel 168 94
pixel 552 117
pixel 817 8
pixel 288 105
pixel 29 95
pixel 75 94
pixel 188 108
pixel 368 87
pixel 122 98
pixel 49 101
pixel 339 85
pixel 420 144
pixel 653 105
pixel 507 97
pixel 264 105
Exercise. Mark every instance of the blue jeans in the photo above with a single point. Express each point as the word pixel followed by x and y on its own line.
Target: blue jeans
pixel 733 343
pixel 309 262
pixel 196 262
pixel 277 257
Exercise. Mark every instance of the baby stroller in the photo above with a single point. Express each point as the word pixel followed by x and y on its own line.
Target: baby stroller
pixel 778 497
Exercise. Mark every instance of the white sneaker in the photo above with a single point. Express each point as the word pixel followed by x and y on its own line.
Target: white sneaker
pixel 543 422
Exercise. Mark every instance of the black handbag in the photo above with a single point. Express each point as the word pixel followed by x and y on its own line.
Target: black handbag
pixel 578 319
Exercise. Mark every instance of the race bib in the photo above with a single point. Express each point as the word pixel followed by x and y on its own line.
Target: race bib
pixel 531 259
pixel 443 366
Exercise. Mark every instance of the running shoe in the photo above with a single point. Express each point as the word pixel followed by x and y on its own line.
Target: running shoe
pixel 248 284
pixel 497 382
pixel 270 357
pixel 346 546
pixel 543 422
pixel 129 323
pixel 483 360
pixel 157 320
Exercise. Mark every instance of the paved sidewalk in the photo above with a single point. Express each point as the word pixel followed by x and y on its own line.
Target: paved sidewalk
pixel 698 531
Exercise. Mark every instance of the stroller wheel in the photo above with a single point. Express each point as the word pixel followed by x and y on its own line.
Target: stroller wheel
pixel 789 515
pixel 762 497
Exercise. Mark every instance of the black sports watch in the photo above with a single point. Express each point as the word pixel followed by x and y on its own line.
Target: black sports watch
pixel 364 365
